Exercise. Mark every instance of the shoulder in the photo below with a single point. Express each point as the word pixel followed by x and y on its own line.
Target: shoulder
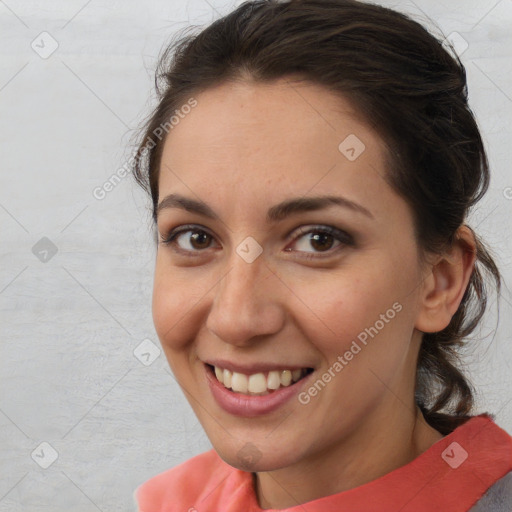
pixel 183 484
pixel 498 497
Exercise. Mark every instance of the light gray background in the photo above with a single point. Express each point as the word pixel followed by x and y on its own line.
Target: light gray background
pixel 70 325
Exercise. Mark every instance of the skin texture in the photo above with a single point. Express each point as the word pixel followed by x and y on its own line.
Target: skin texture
pixel 244 148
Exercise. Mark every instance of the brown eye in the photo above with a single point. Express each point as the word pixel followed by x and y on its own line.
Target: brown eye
pixel 189 240
pixel 192 240
pixel 199 240
pixel 321 239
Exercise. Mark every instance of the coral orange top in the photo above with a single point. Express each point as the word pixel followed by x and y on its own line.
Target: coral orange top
pixel 452 475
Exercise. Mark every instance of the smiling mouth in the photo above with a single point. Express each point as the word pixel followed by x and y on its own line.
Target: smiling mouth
pixel 258 384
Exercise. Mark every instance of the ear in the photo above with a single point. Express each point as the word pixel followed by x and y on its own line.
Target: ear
pixel 445 282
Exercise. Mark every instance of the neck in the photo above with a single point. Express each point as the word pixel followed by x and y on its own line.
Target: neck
pixel 374 449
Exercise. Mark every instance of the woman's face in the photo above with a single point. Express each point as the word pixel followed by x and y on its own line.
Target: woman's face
pixel 262 281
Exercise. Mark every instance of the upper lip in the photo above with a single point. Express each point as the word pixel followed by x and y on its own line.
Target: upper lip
pixel 251 368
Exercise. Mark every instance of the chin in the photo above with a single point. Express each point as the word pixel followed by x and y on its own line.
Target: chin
pixel 253 459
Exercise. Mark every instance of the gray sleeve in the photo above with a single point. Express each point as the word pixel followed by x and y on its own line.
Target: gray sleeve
pixel 498 497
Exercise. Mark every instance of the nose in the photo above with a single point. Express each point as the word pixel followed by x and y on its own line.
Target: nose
pixel 245 305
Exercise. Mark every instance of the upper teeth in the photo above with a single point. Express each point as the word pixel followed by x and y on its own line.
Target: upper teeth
pixel 257 383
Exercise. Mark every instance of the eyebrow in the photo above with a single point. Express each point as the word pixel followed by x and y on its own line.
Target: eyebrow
pixel 274 214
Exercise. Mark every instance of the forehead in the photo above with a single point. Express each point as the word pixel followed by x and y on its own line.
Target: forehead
pixel 245 115
pixel 270 140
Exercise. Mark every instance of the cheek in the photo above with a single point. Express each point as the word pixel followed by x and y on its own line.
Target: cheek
pixel 166 309
pixel 343 302
pixel 363 310
pixel 175 306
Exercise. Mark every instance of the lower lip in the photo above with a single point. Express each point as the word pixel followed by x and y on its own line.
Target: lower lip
pixel 250 406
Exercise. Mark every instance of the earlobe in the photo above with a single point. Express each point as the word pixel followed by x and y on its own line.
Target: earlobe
pixel 446 282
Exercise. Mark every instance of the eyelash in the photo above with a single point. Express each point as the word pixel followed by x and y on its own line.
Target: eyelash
pixel 339 235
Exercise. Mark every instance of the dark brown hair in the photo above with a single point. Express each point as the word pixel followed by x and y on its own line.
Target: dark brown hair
pixel 405 85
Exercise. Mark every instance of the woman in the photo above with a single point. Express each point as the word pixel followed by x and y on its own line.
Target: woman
pixel 311 164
